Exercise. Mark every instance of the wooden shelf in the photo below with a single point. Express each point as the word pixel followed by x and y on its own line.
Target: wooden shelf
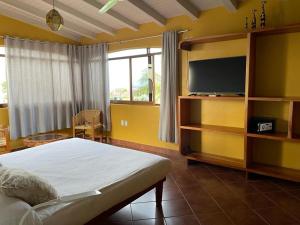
pixel 217 160
pixel 236 98
pixel 275 171
pixel 204 127
pixel 275 136
pixel 187 44
pixel 275 99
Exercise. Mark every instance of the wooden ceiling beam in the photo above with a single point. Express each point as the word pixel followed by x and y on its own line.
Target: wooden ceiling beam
pixel 189 8
pixel 158 18
pixel 82 17
pixel 121 19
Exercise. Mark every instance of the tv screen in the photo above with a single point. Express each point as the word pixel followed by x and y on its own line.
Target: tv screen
pixel 218 76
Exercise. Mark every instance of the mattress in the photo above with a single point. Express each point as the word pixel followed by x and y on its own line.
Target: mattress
pixel 76 165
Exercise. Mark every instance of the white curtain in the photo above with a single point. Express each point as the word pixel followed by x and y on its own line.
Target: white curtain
pixel 169 88
pixel 49 82
pixel 94 65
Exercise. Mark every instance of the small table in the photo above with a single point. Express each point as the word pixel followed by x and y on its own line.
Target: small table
pixel 41 139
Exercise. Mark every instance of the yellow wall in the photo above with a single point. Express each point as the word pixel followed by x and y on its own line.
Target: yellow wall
pixel 215 21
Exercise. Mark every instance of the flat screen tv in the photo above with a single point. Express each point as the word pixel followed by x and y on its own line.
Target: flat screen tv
pixel 222 76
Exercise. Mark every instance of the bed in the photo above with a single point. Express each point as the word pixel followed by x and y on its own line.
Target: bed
pixel 75 166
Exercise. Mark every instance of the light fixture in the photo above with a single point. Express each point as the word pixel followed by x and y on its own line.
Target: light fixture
pixel 54 19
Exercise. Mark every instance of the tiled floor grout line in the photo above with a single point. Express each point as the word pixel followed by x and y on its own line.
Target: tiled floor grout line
pixel 270 199
pixel 228 217
pixel 226 185
pixel 198 220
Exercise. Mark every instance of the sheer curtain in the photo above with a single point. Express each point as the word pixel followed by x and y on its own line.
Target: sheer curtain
pixel 94 63
pixel 169 88
pixel 44 81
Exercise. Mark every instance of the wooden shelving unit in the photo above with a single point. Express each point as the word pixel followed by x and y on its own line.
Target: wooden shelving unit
pixel 205 127
pixel 186 126
pixel 217 160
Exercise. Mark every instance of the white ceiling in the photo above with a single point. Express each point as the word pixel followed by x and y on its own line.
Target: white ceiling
pixel 82 19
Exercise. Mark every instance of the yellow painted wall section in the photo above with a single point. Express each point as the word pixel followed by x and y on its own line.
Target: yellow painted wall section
pixel 143 123
pixel 211 22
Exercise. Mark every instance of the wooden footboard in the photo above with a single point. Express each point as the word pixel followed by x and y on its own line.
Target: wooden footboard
pixel 158 192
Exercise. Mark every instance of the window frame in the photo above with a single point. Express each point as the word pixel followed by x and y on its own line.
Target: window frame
pixel 131 101
pixel 3 105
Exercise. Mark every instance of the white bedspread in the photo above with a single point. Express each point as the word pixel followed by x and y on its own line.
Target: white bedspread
pixel 75 165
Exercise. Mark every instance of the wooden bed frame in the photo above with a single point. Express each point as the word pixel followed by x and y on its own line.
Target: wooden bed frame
pixel 158 193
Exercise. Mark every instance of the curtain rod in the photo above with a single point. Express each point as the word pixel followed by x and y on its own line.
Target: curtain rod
pixel 109 43
pixel 143 38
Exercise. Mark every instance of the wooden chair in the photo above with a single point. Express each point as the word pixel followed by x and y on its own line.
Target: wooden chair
pixel 88 120
pixel 4 138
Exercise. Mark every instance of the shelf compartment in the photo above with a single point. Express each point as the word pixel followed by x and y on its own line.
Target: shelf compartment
pixel 275 136
pixel 225 98
pixel 275 171
pixel 205 127
pixel 275 99
pixel 187 44
pixel 217 160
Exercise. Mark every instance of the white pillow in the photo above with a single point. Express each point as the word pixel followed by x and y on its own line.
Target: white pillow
pixel 26 186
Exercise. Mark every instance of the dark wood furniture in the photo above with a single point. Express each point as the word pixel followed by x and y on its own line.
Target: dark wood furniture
pixel 4 139
pixel 41 139
pixel 292 134
pixel 158 192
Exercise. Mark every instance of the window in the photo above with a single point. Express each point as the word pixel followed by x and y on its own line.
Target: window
pixel 134 75
pixel 3 82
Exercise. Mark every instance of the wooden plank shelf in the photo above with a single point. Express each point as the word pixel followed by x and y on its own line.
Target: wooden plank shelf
pixel 205 127
pixel 224 98
pixel 217 160
pixel 275 99
pixel 275 171
pixel 275 136
pixel 188 43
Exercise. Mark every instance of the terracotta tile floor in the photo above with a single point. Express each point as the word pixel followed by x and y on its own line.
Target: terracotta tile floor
pixel 202 194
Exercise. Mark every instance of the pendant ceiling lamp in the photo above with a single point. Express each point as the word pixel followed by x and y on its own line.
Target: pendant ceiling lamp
pixel 54 19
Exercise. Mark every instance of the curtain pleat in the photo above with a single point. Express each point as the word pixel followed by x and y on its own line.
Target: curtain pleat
pixel 48 83
pixel 169 88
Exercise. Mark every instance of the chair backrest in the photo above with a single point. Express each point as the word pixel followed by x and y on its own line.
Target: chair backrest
pixel 88 116
pixel 4 137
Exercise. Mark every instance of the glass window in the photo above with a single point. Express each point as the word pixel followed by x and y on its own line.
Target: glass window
pixel 119 80
pixel 140 79
pixel 3 82
pixel 129 52
pixel 157 77
pixel 131 74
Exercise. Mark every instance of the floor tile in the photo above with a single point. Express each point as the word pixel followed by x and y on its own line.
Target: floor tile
pixel 243 216
pixel 276 216
pixel 176 208
pixel 257 201
pixel 214 219
pixel 149 222
pixel 242 189
pixel 148 210
pixel 182 220
pixel 265 186
pixel 122 215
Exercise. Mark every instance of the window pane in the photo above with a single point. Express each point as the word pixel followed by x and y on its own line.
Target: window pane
pixel 140 83
pixel 2 50
pixel 155 50
pixel 119 79
pixel 129 52
pixel 3 83
pixel 157 76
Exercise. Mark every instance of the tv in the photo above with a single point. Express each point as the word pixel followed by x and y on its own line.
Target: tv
pixel 221 76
